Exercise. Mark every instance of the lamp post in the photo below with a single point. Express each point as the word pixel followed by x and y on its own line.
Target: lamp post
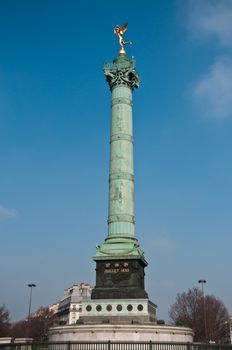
pixel 202 282
pixel 30 285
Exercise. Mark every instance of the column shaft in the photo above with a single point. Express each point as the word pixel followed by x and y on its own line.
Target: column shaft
pixel 121 179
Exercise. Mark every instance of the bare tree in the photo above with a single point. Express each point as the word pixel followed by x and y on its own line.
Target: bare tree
pixel 36 326
pixel 188 310
pixel 4 321
pixel 19 329
pixel 216 316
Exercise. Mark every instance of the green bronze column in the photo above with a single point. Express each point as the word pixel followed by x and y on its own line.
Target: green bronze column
pixel 122 78
pixel 121 243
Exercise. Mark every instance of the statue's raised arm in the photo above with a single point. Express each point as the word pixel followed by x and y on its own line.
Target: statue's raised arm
pixel 119 31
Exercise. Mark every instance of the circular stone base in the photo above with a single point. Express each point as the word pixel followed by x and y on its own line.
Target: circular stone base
pixel 131 333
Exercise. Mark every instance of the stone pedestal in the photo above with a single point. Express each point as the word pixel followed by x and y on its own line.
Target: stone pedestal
pixel 118 311
pixel 119 279
pixel 121 333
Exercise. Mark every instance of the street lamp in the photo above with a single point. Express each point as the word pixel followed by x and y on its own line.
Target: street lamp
pixel 202 282
pixel 30 285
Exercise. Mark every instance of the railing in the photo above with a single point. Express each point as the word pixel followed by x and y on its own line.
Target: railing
pixel 113 346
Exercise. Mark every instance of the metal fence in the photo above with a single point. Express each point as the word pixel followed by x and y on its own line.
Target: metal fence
pixel 113 346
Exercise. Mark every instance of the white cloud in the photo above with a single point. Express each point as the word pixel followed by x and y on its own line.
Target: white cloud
pixel 7 213
pixel 213 92
pixel 210 18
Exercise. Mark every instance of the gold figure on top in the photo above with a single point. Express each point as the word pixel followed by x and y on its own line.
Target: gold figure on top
pixel 119 31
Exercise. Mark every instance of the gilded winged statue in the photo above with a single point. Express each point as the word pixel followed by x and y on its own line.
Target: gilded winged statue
pixel 119 31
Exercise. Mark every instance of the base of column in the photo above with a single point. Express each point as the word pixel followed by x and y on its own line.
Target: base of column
pixel 121 333
pixel 113 311
pixel 119 279
pixel 119 247
pixel 118 293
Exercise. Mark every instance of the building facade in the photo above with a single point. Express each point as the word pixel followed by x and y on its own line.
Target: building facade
pixel 70 306
pixel 229 330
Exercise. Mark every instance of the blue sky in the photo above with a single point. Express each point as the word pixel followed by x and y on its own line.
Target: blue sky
pixel 54 144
